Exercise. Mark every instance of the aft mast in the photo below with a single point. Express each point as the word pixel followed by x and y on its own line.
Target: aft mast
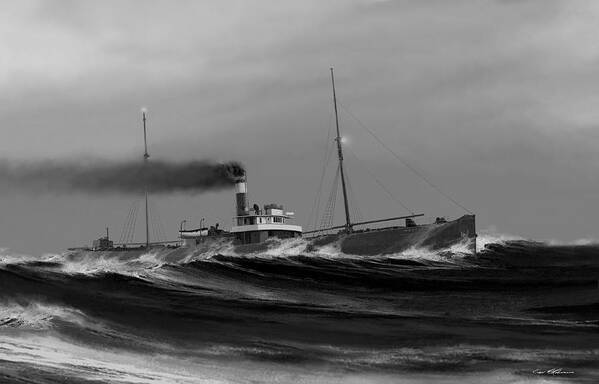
pixel 146 159
pixel 348 225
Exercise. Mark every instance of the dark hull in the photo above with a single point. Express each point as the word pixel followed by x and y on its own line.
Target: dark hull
pixel 392 240
pixel 373 242
pixel 399 239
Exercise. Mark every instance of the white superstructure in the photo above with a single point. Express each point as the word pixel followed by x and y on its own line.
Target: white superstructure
pixel 251 225
pixel 256 225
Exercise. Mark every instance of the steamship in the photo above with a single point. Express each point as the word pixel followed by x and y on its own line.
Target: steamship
pixel 254 227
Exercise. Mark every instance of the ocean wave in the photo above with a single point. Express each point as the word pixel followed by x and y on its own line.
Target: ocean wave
pixel 494 251
pixel 37 316
pixel 112 316
pixel 285 275
pixel 115 317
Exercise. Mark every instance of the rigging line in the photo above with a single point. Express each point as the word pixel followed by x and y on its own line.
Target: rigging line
pixel 358 211
pixel 161 231
pixel 406 164
pixel 122 237
pixel 325 162
pixel 156 222
pixel 153 230
pixel 322 178
pixel 153 224
pixel 356 208
pixel 354 202
pixel 354 205
pixel 329 212
pixel 127 224
pixel 152 220
pixel 393 197
pixel 130 222
pixel 133 223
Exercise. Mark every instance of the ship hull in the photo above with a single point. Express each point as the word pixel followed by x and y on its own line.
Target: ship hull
pixel 369 242
pixel 392 240
pixel 398 239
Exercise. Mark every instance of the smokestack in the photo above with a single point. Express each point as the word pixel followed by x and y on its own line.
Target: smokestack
pixel 241 195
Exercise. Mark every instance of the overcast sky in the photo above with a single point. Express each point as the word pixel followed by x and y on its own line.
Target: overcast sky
pixel 497 102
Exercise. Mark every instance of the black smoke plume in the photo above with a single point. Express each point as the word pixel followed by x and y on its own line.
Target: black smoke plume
pixel 125 177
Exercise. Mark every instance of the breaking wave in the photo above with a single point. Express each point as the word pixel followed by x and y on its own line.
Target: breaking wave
pixel 213 307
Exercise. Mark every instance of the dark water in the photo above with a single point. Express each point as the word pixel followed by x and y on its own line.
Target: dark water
pixel 516 308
